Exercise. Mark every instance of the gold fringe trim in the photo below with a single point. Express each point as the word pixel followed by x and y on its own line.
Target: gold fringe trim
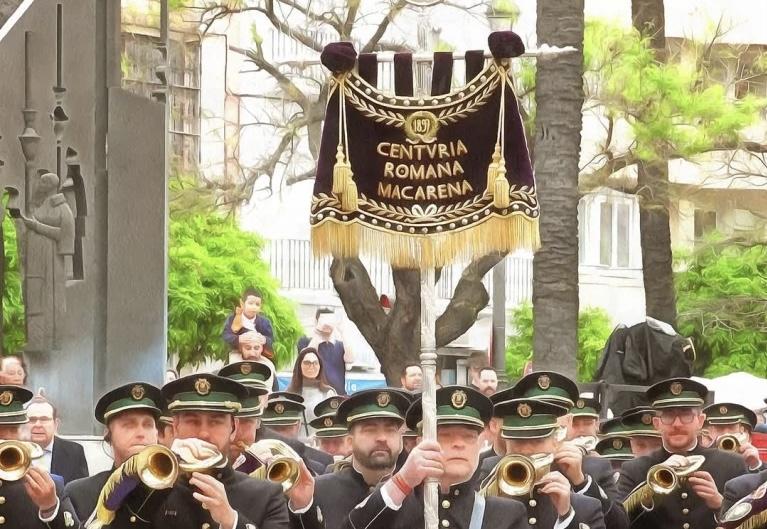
pixel 638 500
pixel 405 250
pixel 756 521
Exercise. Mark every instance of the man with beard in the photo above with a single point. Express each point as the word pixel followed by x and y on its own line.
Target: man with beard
pixel 588 475
pixel 374 418
pixel 695 502
pixel 462 413
pixel 130 415
pixel 204 421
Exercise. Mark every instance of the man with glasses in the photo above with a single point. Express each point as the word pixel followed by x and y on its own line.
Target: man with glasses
pixel 694 503
pixel 60 457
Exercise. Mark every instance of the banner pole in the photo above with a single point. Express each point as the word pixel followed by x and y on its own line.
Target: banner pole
pixel 429 396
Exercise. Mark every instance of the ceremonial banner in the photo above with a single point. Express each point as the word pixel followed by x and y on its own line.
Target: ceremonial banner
pixel 421 181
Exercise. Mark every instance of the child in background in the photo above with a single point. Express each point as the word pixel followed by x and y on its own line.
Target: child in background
pixel 247 317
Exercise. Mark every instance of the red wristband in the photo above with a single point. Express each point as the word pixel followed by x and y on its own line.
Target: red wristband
pixel 401 485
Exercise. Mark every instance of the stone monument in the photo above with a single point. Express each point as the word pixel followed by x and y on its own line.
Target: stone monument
pixel 91 221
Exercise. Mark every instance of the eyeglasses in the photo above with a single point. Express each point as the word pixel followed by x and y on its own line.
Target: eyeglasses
pixel 685 417
pixel 310 363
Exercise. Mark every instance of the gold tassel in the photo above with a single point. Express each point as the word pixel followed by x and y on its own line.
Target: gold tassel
pixel 501 188
pixel 492 169
pixel 341 172
pixel 349 199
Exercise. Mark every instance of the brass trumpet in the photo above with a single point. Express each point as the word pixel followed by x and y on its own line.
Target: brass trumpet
pixel 516 475
pixel 661 480
pixel 665 479
pixel 16 458
pixel 731 442
pixel 155 466
pixel 284 464
pixel 587 443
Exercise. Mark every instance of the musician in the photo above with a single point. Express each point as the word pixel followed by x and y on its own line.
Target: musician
pixel 588 475
pixel 284 413
pixel 616 449
pixel 729 419
pixel 530 427
pixel 204 407
pixel 331 435
pixel 462 413
pixel 638 427
pixel 678 407
pixel 585 418
pixel 254 376
pixel 31 502
pixel 282 420
pixel 130 414
pixel 374 418
pixel 740 487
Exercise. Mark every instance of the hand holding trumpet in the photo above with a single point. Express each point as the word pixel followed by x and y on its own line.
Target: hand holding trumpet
pixel 556 486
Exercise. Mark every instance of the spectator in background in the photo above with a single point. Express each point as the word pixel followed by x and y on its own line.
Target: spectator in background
pixel 251 347
pixel 60 457
pixel 13 370
pixel 487 381
pixel 412 378
pixel 309 381
pixel 329 348
pixel 247 317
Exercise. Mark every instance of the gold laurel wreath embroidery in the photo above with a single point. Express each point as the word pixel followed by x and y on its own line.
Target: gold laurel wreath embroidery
pixel 524 196
pixel 447 115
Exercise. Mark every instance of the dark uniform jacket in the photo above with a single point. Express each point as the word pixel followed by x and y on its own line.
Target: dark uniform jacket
pixel 335 495
pixel 738 488
pixel 259 504
pixel 68 460
pixel 455 509
pixel 682 508
pixel 602 489
pixel 18 511
pixel 136 512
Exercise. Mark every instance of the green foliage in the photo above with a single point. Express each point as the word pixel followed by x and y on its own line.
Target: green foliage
pixel 14 336
pixel 211 261
pixel 506 8
pixel 593 330
pixel 722 304
pixel 677 108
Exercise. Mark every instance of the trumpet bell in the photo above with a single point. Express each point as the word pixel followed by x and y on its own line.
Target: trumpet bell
pixel 517 475
pixel 283 464
pixel 159 469
pixel 16 458
pixel 665 479
pixel 731 442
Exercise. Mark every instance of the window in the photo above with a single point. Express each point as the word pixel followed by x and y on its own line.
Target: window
pixel 608 230
pixel 705 223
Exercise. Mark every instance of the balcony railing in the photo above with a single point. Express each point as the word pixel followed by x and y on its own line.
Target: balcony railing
pixel 292 263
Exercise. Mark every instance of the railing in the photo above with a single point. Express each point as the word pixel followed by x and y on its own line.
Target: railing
pixel 292 263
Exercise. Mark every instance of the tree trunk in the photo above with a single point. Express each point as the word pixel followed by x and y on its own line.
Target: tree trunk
pixel 395 337
pixel 653 185
pixel 559 100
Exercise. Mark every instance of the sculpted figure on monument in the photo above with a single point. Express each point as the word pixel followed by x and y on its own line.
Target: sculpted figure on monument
pixel 49 246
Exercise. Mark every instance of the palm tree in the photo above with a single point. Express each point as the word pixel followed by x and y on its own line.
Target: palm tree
pixel 559 99
pixel 653 186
